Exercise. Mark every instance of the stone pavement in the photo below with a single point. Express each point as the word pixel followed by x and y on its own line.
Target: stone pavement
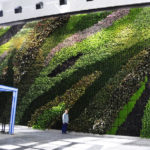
pixel 28 139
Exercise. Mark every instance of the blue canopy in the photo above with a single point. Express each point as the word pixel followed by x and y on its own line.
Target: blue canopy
pixel 13 107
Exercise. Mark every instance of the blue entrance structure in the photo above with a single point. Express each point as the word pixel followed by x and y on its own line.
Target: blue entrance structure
pixel 13 107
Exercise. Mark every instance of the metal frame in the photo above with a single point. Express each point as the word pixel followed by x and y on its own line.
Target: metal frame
pixel 13 107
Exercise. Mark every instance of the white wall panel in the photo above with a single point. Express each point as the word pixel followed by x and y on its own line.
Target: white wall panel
pixel 52 7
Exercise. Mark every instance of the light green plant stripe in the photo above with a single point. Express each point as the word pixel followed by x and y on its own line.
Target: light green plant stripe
pixel 123 114
pixel 52 113
pixel 3 30
pixel 145 132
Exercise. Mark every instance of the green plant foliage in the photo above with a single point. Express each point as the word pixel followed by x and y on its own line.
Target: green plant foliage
pixel 49 116
pixel 16 41
pixel 120 42
pixel 145 131
pixel 107 51
pixel 46 116
pixel 76 23
pixel 5 47
pixel 127 108
pixel 3 30
pixel 29 59
pixel 5 62
pixel 102 111
pixel 95 17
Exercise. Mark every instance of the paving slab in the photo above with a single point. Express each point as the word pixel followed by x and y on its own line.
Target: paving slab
pixel 29 139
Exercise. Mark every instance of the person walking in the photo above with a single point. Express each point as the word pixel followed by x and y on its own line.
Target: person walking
pixel 65 121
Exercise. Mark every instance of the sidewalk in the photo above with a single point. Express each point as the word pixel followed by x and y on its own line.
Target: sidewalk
pixel 28 139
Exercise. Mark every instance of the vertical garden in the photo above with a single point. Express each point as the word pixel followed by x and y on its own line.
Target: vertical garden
pixel 97 65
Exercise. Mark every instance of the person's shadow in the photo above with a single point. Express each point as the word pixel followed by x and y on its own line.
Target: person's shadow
pixel 3 124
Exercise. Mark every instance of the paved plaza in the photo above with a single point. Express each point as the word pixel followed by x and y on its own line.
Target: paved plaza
pixel 28 139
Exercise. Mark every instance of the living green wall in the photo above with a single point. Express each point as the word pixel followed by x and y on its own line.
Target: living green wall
pixel 97 75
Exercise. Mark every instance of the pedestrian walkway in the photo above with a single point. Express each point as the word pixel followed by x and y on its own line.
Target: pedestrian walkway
pixel 28 139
